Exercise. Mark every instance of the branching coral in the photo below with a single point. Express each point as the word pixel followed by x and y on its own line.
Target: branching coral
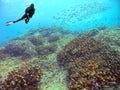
pixel 91 64
pixel 26 78
pixel 90 76
pixel 83 47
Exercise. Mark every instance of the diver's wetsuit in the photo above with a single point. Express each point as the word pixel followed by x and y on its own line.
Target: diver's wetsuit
pixel 28 14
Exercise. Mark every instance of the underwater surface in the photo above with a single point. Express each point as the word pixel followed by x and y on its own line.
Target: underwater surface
pixel 66 45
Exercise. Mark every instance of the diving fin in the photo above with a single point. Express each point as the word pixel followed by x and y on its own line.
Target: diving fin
pixel 9 23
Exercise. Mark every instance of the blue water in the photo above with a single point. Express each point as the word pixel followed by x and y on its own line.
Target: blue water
pixel 90 14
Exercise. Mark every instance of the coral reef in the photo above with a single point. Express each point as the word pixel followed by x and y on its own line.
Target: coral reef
pixel 1 86
pixel 90 61
pixel 108 35
pixel 53 38
pixel 91 64
pixel 2 55
pixel 36 40
pixel 91 76
pixel 83 47
pixel 45 31
pixel 48 31
pixel 46 50
pixel 22 48
pixel 25 78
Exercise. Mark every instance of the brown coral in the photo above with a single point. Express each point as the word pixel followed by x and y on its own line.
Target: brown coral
pixel 90 76
pixel 82 47
pixel 91 64
pixel 26 78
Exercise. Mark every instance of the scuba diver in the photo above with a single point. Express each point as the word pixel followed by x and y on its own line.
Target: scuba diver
pixel 28 14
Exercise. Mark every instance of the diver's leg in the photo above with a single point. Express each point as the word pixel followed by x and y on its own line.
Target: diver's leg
pixel 12 22
pixel 26 21
pixel 23 17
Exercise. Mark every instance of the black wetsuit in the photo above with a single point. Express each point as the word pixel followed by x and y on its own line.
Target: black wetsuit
pixel 28 14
